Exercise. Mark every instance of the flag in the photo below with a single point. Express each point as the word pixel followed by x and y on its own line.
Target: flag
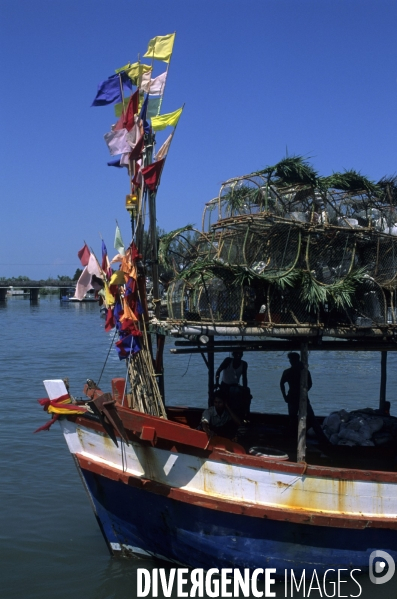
pixel 137 180
pixel 117 142
pixel 109 91
pixel 136 71
pixel 116 161
pixel 125 159
pixel 126 345
pixel 117 258
pixel 120 161
pixel 126 120
pixel 145 80
pixel 160 47
pixel 124 68
pixel 84 283
pixel 155 86
pixel 153 107
pixel 134 135
pixel 152 173
pixel 117 278
pixel 118 242
pixel 84 255
pixel 166 120
pixel 109 322
pixel 143 115
pixel 105 261
pixel 118 108
pixel 163 151
pixel 138 149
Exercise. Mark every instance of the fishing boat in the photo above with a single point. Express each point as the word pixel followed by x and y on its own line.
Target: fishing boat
pixel 286 260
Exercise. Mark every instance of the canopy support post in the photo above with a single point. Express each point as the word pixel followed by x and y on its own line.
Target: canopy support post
pixel 211 370
pixel 383 379
pixel 301 449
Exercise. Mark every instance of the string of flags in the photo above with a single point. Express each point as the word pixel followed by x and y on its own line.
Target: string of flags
pixel 138 113
pixel 118 291
pixel 137 95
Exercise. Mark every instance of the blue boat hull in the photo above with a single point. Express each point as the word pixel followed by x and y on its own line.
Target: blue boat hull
pixel 205 538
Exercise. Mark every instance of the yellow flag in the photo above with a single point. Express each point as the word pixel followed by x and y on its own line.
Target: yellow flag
pixel 160 47
pixel 118 108
pixel 124 68
pixel 137 69
pixel 166 120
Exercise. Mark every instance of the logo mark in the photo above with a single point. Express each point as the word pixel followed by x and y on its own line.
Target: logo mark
pixel 380 566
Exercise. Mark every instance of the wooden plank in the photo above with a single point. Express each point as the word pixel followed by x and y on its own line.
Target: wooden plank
pixel 274 345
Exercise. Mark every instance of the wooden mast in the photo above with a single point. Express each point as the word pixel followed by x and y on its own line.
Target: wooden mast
pixel 149 144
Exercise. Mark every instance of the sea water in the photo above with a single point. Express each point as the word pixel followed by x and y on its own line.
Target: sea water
pixel 50 544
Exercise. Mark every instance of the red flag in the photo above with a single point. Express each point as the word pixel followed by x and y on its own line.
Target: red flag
pixel 152 173
pixel 84 255
pixel 109 323
pixel 137 151
pixel 126 121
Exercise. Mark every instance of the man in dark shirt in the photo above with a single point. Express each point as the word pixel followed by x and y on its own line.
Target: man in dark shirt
pixel 292 376
pixel 219 419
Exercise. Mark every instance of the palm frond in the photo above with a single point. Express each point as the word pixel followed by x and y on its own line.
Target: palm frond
pixel 294 170
pixel 351 181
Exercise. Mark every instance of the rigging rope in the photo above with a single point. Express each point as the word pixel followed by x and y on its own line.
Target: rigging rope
pixel 107 357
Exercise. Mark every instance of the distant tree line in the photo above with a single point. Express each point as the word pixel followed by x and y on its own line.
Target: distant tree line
pixel 61 278
pixel 166 272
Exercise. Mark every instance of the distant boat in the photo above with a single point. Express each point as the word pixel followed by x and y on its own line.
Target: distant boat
pixel 67 295
pixel 17 292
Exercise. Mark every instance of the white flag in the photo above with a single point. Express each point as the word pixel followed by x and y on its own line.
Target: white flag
pixel 93 266
pixel 155 87
pixel 145 80
pixel 163 151
pixel 84 283
pixel 117 142
pixel 125 160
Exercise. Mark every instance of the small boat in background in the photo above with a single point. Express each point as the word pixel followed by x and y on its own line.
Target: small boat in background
pixel 11 291
pixel 67 295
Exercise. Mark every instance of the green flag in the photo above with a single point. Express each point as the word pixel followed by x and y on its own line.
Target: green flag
pixel 118 242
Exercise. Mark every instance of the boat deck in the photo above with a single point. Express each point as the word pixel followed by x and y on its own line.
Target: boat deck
pixel 271 431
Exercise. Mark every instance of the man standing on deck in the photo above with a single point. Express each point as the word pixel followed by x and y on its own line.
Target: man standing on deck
pixel 292 376
pixel 233 369
pixel 239 397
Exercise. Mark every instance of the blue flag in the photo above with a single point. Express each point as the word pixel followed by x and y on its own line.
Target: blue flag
pixel 126 345
pixel 116 161
pixel 146 126
pixel 104 257
pixel 109 91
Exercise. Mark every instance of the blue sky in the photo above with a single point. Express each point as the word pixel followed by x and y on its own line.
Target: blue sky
pixel 260 77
